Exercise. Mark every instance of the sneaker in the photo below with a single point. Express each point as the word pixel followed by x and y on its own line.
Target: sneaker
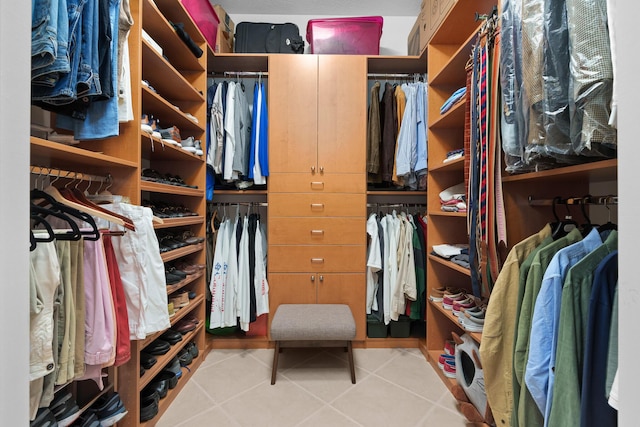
pixel 199 151
pixel 450 347
pixel 443 359
pixel 449 369
pixel 448 300
pixel 44 418
pixel 192 117
pixel 189 145
pixel 437 294
pixel 458 306
pixel 109 409
pixel 171 136
pixel 150 125
pixel 472 324
pixel 64 409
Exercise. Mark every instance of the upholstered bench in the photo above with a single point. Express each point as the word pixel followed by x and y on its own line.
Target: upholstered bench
pixel 313 325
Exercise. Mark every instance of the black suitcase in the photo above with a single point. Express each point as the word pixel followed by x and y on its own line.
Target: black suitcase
pixel 260 37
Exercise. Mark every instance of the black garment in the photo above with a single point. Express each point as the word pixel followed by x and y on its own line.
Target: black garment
pixel 253 224
pixel 389 125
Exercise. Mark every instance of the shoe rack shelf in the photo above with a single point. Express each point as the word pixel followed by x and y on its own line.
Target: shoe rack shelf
pixel 156 187
pixel 449 50
pixel 169 114
pixel 159 150
pixel 184 282
pixel 179 222
pixel 181 252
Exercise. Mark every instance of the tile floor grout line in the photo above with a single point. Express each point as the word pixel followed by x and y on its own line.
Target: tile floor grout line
pixel 405 389
pixel 187 420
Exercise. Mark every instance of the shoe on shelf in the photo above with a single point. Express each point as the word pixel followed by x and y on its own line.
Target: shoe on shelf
pixel 188 237
pixel 171 336
pixel 443 359
pixel 149 393
pixel 184 325
pixel 199 151
pixel 450 347
pixel 108 409
pixel 472 324
pixel 192 117
pixel 171 135
pixel 189 144
pixel 157 347
pixel 172 310
pixel 171 269
pixel 185 357
pixel 449 369
pixel 44 418
pixel 186 267
pixel 88 419
pixel 437 294
pixel 172 279
pixel 175 368
pixel 64 408
pixel 147 360
pixel 146 84
pixel 157 385
pixel 192 347
pixel 448 300
pixel 150 125
pixel 148 409
pixel 458 306
pixel 180 299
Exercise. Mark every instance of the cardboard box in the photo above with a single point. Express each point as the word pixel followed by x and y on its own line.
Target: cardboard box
pixel 226 30
pixel 419 35
pixel 436 10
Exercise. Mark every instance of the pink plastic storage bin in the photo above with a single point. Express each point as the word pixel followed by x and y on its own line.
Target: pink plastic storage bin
pixel 353 36
pixel 205 18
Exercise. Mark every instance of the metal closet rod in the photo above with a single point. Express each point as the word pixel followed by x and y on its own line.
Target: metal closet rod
pixel 59 173
pixel 241 74
pixel 586 200
pixel 240 203
pixel 396 75
pixel 394 205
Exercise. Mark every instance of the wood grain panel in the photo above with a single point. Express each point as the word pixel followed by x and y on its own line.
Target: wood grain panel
pixel 322 231
pixel 317 183
pixel 320 258
pixel 317 205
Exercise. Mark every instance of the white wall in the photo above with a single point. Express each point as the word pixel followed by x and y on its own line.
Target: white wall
pixel 395 29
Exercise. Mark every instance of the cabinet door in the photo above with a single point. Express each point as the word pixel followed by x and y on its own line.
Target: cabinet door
pixel 345 289
pixel 293 113
pixel 342 109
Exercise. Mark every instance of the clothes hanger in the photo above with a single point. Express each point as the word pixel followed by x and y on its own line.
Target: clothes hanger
pixel 73 234
pixel 562 228
pixel 77 196
pixel 609 226
pixel 50 237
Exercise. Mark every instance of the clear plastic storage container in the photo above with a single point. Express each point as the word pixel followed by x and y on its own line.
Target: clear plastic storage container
pixel 351 36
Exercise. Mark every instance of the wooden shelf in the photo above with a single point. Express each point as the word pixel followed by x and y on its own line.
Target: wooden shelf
pixel 158 27
pixel 168 115
pixel 397 193
pixel 180 252
pixel 54 154
pixel 604 170
pixel 389 342
pixel 453 118
pixel 156 187
pixel 456 165
pixel 220 62
pixel 459 21
pixel 238 192
pixel 181 313
pixel 156 149
pixel 179 222
pixel 387 64
pixel 453 70
pixel 237 341
pixel 163 359
pixel 164 78
pixel 477 336
pixel 181 284
pixel 449 214
pixel 449 264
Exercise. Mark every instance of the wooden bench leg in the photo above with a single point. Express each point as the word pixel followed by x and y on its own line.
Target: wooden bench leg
pixel 274 369
pixel 351 367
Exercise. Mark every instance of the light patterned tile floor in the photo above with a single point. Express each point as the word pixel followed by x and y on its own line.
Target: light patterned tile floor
pixel 313 388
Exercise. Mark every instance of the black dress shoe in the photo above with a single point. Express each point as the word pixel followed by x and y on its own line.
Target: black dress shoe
pixel 148 409
pixel 157 347
pixel 147 360
pixel 171 336
pixel 185 357
pixel 192 347
pixel 149 393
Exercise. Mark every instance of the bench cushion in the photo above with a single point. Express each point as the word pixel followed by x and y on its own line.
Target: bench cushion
pixel 302 322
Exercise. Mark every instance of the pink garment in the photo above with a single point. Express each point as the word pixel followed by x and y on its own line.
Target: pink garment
pixel 100 326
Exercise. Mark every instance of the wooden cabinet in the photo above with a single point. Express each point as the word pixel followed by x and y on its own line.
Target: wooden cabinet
pixel 317 187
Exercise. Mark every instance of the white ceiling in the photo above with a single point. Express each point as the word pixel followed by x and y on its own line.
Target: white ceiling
pixel 321 8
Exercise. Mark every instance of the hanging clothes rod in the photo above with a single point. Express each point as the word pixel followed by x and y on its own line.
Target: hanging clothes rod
pixel 586 200
pixel 397 75
pixel 241 74
pixel 76 176
pixel 239 203
pixel 394 205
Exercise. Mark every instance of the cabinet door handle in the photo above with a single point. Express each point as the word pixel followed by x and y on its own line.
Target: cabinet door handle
pixel 317 260
pixel 321 278
pixel 313 278
pixel 321 169
pixel 317 206
pixel 317 232
pixel 313 169
pixel 317 185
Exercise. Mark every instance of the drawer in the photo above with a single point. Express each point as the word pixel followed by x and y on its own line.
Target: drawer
pixel 318 183
pixel 319 258
pixel 317 205
pixel 323 231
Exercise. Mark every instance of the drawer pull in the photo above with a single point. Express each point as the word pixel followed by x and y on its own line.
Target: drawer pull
pixel 317 206
pixel 313 170
pixel 317 232
pixel 317 260
pixel 317 185
pixel 313 278
pixel 321 169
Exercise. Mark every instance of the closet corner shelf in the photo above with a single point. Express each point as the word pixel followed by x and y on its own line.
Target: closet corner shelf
pixel 184 282
pixel 461 15
pixel 156 149
pixel 175 319
pixel 477 336
pixel 163 359
pixel 220 62
pixel 454 118
pixel 165 78
pixel 179 222
pixel 156 187
pixel 456 165
pixel 169 115
pixel 603 170
pixel 397 64
pixel 45 153
pixel 180 252
pixel 449 214
pixel 453 71
pixel 155 18
pixel 449 264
